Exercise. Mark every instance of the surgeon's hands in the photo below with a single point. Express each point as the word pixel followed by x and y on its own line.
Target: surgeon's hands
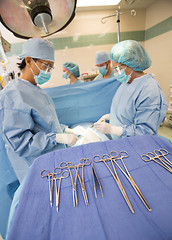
pixel 65 138
pixel 104 118
pixel 107 128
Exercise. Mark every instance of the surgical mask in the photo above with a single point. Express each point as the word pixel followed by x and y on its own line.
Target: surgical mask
pixel 103 70
pixel 65 75
pixel 42 77
pixel 122 76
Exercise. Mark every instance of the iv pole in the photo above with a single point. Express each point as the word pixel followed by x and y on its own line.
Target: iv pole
pixel 118 13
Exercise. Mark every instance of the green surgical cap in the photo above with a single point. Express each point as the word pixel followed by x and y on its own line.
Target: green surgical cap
pixel 73 68
pixel 132 54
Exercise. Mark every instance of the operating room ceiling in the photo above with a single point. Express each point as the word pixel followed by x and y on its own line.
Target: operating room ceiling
pixel 124 4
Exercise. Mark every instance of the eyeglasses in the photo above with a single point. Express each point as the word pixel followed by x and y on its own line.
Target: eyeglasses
pixel 118 68
pixel 45 66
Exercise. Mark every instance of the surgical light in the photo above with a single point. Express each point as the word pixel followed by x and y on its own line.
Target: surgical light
pixel 92 3
pixel 36 18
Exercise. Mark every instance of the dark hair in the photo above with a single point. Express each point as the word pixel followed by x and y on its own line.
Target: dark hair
pixel 22 64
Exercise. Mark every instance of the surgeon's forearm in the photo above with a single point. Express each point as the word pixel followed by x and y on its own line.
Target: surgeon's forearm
pixel 141 129
pixel 29 144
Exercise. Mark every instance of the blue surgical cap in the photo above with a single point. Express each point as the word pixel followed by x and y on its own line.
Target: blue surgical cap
pixel 38 48
pixel 132 54
pixel 101 57
pixel 73 68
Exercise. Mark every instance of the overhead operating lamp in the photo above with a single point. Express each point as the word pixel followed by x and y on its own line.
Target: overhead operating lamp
pixel 36 18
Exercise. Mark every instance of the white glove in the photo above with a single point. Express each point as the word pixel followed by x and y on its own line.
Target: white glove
pixel 104 118
pixel 78 130
pixel 107 128
pixel 69 139
pixel 90 136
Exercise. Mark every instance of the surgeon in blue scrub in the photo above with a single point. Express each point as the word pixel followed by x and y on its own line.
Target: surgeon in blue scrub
pixel 139 105
pixel 71 72
pixel 29 125
pixel 103 63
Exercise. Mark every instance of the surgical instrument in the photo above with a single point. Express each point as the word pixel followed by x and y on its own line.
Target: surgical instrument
pixel 162 153
pixel 64 174
pixel 152 157
pixel 124 154
pixel 69 165
pixel 45 173
pixel 106 158
pixel 83 162
pixel 95 178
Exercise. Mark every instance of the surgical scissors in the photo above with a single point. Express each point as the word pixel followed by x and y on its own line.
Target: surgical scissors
pixel 82 162
pixel 45 173
pixel 105 158
pixel 69 165
pixel 64 174
pixel 124 154
pixel 152 157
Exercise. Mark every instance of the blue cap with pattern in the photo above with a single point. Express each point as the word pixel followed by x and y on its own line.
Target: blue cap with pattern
pixel 73 68
pixel 132 54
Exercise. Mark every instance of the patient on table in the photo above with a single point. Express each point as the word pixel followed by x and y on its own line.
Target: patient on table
pixel 86 134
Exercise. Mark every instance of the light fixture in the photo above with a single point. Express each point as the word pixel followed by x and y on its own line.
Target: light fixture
pixel 36 18
pixel 93 3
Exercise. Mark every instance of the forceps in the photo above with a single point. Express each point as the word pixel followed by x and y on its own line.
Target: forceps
pixel 105 158
pixel 124 154
pixel 82 162
pixel 63 174
pixel 152 157
pixel 162 153
pixel 69 165
pixel 95 178
pixel 45 173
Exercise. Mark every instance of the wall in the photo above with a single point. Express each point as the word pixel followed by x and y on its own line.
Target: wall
pixel 159 46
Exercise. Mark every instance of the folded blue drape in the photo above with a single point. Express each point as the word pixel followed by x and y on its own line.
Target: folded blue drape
pixel 8 185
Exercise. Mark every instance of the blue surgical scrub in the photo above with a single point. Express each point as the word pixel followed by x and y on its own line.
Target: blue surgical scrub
pixel 139 107
pixel 100 76
pixel 28 124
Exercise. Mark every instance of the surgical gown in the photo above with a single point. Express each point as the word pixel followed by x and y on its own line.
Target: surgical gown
pixel 28 124
pixel 139 107
pixel 100 76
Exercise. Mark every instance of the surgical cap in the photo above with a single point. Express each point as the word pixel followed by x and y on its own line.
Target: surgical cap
pixel 101 57
pixel 73 68
pixel 132 54
pixel 38 48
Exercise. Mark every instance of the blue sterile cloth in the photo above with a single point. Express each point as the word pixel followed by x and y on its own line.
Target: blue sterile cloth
pixel 83 102
pixel 8 185
pixel 104 218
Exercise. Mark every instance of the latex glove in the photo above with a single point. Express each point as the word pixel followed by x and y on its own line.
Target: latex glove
pixel 69 139
pixel 90 136
pixel 104 118
pixel 78 130
pixel 107 128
